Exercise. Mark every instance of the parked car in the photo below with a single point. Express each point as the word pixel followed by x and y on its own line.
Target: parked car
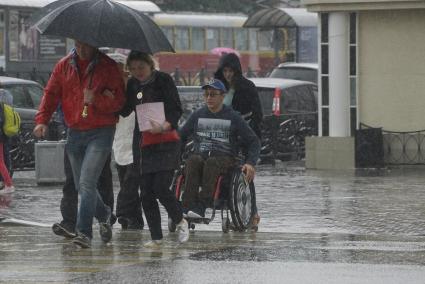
pixel 296 71
pixel 26 99
pixel 296 118
pixel 290 114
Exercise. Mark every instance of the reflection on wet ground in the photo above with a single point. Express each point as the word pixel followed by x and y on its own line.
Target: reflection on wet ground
pixel 340 226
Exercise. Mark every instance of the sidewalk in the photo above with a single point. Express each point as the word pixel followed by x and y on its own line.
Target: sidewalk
pixel 316 227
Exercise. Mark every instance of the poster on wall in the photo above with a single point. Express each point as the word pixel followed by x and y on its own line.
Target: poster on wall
pixel 26 44
pixel 51 47
pixel 22 39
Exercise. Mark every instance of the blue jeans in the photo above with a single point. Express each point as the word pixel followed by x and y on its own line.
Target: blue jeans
pixel 87 152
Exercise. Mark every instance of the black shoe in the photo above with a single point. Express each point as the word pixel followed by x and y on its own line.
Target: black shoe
pixel 130 224
pixel 124 222
pixel 82 240
pixel 64 229
pixel 133 224
pixel 105 229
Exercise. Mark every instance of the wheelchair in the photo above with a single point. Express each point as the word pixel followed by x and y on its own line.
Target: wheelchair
pixel 233 196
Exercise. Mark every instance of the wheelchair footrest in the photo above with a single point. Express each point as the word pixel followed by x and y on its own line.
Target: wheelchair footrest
pixel 198 220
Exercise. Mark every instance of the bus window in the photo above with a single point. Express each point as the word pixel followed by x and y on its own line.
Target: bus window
pixel 182 39
pixel 241 39
pixel 212 38
pixel 198 39
pixel 252 39
pixel 168 31
pixel 226 37
pixel 265 39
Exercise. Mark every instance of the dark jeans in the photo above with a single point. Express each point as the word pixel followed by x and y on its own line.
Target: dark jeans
pixel 69 202
pixel 128 200
pixel 203 172
pixel 156 186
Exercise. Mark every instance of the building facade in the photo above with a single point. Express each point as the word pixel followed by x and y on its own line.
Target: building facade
pixel 372 70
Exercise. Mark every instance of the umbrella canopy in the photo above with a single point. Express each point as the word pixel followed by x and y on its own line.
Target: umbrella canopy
pixel 101 23
pixel 224 50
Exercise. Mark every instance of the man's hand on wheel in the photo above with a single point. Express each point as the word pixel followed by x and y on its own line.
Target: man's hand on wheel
pixel 249 171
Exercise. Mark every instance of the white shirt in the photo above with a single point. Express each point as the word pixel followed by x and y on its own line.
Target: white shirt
pixel 123 140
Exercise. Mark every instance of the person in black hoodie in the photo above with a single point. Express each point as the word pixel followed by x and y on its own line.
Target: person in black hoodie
pixel 242 96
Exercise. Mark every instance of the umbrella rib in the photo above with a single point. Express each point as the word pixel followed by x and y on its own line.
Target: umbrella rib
pixel 136 16
pixel 99 20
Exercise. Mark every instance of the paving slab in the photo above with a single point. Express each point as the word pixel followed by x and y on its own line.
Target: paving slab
pixel 317 227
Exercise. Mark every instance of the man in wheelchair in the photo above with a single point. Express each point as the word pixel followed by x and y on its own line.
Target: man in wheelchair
pixel 215 130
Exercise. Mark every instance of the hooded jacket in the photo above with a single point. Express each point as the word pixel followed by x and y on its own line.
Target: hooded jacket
pixel 245 99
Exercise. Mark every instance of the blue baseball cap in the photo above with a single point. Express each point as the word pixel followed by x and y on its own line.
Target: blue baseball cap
pixel 215 84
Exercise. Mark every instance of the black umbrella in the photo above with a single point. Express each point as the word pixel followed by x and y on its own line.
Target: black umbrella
pixel 101 23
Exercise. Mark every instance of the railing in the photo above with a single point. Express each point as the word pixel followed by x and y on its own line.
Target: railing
pixel 22 145
pixel 181 78
pixel 403 148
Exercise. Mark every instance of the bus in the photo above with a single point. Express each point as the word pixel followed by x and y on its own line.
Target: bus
pixel 194 35
pixel 27 54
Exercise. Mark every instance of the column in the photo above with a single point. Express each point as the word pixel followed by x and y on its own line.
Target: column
pixel 339 81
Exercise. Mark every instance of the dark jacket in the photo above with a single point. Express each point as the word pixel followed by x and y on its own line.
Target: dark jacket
pixel 160 88
pixel 245 99
pixel 219 133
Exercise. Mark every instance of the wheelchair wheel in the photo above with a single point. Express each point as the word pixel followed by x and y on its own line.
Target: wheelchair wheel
pixel 241 201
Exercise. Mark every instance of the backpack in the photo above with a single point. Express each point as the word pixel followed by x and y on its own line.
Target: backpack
pixel 11 121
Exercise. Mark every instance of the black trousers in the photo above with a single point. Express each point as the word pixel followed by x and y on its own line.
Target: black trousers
pixel 128 200
pixel 157 186
pixel 69 202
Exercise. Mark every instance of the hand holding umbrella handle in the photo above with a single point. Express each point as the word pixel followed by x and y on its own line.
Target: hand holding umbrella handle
pixel 85 112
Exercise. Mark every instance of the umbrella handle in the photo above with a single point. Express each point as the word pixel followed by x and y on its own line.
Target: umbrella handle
pixel 85 113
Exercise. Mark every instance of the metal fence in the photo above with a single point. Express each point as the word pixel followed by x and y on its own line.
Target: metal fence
pixel 181 78
pixel 403 148
pixel 200 77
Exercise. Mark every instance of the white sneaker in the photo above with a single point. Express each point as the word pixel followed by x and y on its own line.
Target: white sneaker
pixel 183 230
pixel 154 244
pixel 8 189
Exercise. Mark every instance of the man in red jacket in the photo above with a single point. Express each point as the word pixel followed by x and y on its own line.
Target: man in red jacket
pixel 78 83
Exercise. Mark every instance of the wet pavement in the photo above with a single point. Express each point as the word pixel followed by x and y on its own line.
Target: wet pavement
pixel 316 227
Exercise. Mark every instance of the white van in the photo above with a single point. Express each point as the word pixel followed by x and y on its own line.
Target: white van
pixel 296 71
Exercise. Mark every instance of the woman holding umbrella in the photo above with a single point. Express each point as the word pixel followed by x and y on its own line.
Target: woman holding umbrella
pixel 159 144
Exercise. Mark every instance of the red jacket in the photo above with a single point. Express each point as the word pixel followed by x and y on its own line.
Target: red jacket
pixel 66 87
